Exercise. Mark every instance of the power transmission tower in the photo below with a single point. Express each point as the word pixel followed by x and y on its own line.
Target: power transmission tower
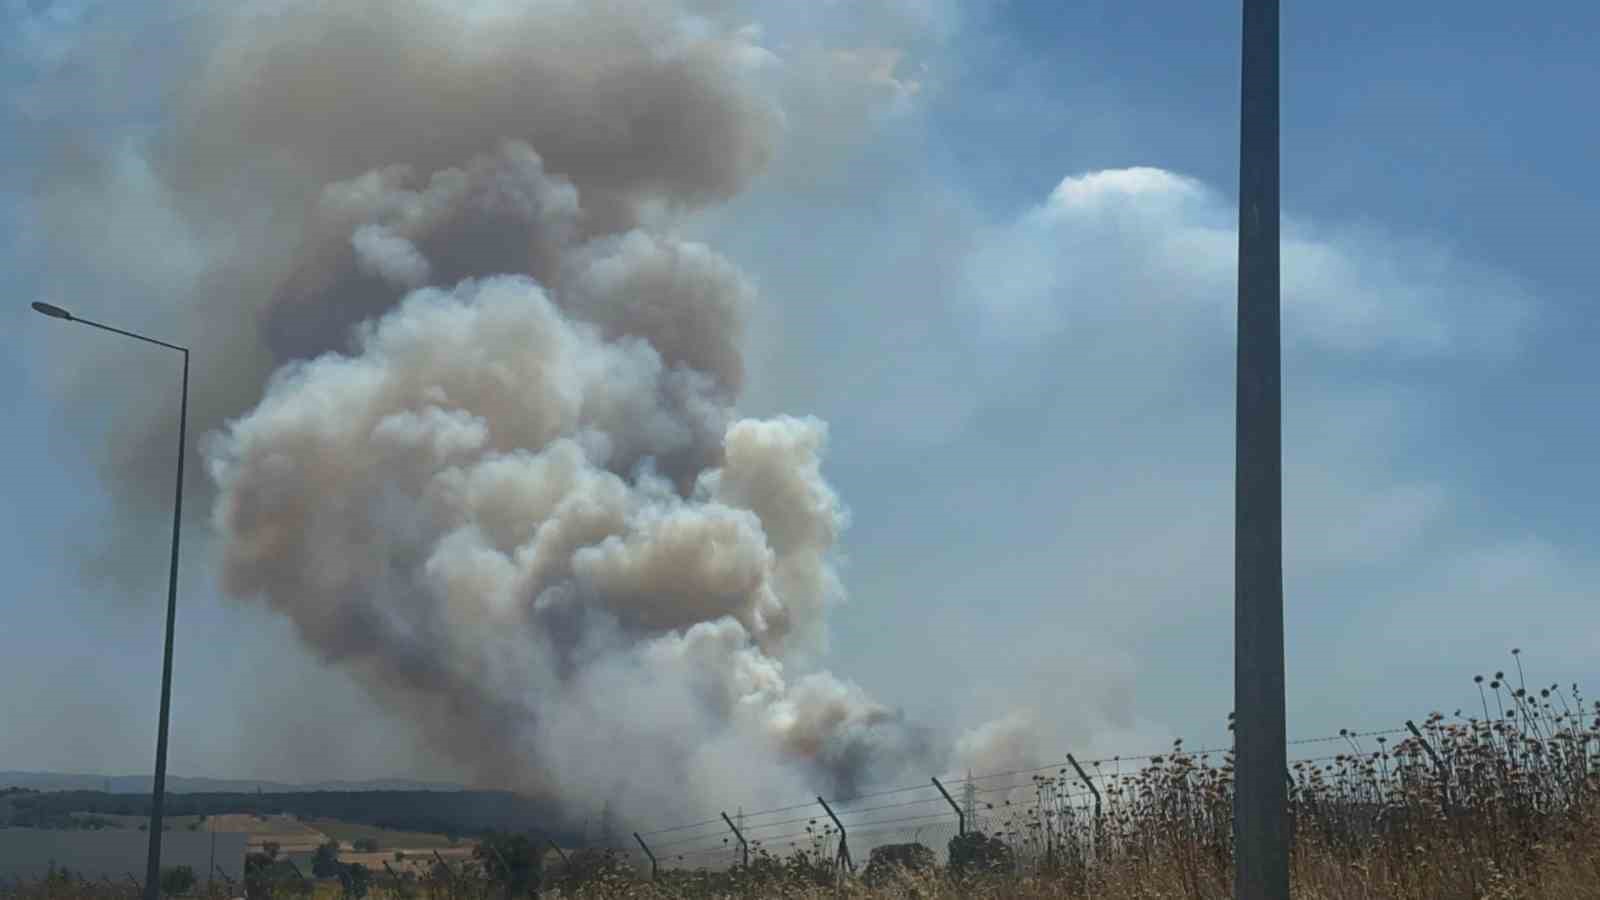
pixel 608 827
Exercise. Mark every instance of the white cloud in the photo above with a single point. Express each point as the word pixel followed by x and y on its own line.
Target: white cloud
pixel 1151 245
pixel 879 67
pixel 1075 508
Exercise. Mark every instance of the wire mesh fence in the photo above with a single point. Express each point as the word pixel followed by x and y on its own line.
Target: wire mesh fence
pixel 1073 814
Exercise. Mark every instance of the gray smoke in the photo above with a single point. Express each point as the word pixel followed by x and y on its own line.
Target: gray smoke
pixel 468 510
pixel 300 120
pixel 470 402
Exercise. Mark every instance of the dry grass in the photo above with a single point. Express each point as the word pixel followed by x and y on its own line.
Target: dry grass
pixel 1505 804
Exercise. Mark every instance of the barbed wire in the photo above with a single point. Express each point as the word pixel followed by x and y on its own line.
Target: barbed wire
pixel 1062 767
pixel 847 809
pixel 1061 799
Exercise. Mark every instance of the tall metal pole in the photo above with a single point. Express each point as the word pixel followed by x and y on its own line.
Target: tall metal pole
pixel 152 879
pixel 1261 838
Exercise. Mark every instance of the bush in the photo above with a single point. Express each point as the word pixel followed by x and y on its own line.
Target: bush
pixel 355 879
pixel 366 845
pixel 177 880
pixel 592 867
pixel 325 863
pixel 974 853
pixel 510 858
pixel 891 859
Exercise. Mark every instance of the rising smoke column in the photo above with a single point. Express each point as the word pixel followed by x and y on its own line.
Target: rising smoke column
pixel 467 512
pixel 224 217
pixel 484 451
pixel 469 400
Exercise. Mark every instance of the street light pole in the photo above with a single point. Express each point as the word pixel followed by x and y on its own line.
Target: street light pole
pixel 1261 825
pixel 152 880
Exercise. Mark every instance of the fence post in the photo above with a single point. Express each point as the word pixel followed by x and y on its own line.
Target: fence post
pixel 961 817
pixel 506 866
pixel 553 846
pixel 737 834
pixel 448 871
pixel 392 874
pixel 844 844
pixel 1089 783
pixel 643 846
pixel 1438 767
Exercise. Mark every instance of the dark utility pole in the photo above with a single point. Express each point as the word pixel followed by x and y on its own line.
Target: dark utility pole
pixel 1261 845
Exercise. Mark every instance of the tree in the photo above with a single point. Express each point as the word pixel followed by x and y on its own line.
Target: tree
pixel 270 848
pixel 325 862
pixel 177 880
pixel 366 844
pixel 510 858
pixel 355 879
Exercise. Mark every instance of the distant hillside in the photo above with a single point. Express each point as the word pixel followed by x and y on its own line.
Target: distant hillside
pixel 177 784
pixel 454 813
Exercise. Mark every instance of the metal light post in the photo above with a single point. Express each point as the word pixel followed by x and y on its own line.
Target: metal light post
pixel 1261 826
pixel 152 880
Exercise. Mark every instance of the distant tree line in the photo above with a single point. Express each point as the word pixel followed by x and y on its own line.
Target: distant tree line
pixel 24 808
pixel 451 813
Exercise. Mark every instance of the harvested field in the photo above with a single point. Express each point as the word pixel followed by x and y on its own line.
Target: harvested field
pixel 347 833
pixel 291 835
pixel 416 862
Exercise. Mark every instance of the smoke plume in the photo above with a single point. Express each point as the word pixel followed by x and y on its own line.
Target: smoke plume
pixel 470 401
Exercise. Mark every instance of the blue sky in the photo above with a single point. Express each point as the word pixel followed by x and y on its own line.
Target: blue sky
pixel 1009 297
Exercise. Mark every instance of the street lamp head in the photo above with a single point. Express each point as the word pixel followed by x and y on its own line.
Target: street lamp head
pixel 55 312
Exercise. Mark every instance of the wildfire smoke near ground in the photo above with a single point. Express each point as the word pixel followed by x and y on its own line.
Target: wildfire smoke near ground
pixel 477 435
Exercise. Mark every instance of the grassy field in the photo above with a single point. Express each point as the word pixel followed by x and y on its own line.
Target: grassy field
pixel 295 836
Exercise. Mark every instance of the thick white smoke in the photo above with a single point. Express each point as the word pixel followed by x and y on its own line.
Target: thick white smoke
pixel 523 501
pixel 469 511
pixel 470 401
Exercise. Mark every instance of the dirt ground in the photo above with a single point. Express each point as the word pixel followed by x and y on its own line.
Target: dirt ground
pixel 291 835
pixel 416 861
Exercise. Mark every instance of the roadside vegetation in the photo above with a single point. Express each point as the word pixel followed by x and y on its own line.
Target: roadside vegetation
pixel 1502 801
